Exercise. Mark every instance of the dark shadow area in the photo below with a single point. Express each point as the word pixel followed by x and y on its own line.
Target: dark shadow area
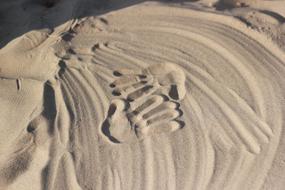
pixel 49 3
pixel 44 176
pixel 49 111
pixel 275 15
pixel 107 133
pixel 62 66
pixel 19 17
pixel 105 128
pixel 221 6
pixel 173 93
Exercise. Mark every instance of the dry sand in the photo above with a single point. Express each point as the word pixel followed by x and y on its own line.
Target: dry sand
pixel 153 96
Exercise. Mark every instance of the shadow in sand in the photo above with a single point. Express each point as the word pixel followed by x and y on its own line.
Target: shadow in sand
pixel 19 17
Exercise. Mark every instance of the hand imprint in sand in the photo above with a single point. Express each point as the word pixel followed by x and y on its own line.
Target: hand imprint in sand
pixel 148 103
pixel 164 78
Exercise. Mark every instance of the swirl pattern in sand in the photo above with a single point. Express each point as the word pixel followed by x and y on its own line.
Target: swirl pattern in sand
pixel 214 122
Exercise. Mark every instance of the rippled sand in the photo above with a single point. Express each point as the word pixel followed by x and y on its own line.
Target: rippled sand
pixel 146 97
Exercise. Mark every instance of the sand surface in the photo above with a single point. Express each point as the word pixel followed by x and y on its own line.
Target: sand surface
pixel 150 96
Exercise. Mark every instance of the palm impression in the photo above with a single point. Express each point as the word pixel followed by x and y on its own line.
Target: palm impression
pixel 147 103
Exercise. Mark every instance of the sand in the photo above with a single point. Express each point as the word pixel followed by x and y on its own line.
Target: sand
pixel 142 96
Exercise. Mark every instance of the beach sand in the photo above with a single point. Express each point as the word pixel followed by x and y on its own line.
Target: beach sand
pixel 138 95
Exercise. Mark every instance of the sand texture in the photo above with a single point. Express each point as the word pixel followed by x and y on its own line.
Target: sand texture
pixel 148 97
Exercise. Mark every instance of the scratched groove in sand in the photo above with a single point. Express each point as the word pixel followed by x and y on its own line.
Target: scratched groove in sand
pixel 230 109
pixel 229 125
